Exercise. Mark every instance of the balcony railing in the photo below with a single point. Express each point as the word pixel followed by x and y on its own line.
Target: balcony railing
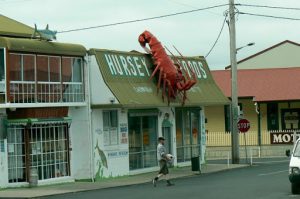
pixel 45 92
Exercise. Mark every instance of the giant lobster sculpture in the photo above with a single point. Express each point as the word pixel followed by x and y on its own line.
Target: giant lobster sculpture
pixel 175 80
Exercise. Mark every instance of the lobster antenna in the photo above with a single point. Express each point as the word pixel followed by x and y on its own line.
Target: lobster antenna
pixel 172 55
pixel 178 62
pixel 183 58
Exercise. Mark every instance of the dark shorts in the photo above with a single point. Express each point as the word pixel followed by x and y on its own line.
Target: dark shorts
pixel 163 167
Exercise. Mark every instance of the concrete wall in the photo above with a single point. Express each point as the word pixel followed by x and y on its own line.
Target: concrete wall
pixel 110 161
pixel 100 93
pixel 80 158
pixel 213 153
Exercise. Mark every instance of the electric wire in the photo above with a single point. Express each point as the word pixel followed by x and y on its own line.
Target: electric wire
pixel 269 16
pixel 271 7
pixel 144 19
pixel 216 41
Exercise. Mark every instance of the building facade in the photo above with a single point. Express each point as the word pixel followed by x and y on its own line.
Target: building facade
pixel 128 115
pixel 43 108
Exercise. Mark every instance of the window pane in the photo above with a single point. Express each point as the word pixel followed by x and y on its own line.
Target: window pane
pixel 77 70
pixel 105 119
pixel 2 75
pixel 28 67
pixel 42 68
pixel 114 118
pixel 15 67
pixel 54 69
pixel 66 69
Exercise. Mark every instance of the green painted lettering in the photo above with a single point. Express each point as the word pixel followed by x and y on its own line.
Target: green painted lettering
pixel 203 70
pixel 117 64
pixel 196 69
pixel 125 65
pixel 138 66
pixel 145 65
pixel 110 63
pixel 133 70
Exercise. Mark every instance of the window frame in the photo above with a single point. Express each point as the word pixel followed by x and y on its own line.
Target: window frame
pixel 108 131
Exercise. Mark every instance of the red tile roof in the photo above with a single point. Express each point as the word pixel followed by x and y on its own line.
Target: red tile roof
pixel 278 84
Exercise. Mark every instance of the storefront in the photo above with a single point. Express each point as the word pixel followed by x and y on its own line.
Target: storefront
pixel 42 97
pixel 128 111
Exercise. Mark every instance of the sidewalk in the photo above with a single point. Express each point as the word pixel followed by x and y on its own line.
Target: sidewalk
pixel 107 183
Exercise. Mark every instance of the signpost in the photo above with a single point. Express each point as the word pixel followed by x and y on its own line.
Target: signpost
pixel 244 126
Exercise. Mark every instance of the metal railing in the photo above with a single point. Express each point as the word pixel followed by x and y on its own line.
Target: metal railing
pixel 251 137
pixel 45 92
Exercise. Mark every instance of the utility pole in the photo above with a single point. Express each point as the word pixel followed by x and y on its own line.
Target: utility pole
pixel 234 97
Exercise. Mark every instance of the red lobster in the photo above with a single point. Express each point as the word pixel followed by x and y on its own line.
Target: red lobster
pixel 170 74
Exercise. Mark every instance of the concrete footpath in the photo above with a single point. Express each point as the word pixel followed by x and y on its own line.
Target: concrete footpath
pixel 48 190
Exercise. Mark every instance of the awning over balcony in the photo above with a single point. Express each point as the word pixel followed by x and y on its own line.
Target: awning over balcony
pixel 34 121
pixel 127 75
pixel 41 46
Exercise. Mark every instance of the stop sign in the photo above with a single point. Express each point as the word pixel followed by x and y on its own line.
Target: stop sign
pixel 243 125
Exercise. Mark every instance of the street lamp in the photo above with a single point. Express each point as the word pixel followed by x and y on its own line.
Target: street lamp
pixel 249 44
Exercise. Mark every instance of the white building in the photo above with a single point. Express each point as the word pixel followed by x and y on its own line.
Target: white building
pixel 128 115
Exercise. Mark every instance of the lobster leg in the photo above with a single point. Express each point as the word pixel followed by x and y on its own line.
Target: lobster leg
pixel 155 70
pixel 164 87
pixel 159 80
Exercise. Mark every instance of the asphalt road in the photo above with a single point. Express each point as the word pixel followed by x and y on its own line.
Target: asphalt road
pixel 267 179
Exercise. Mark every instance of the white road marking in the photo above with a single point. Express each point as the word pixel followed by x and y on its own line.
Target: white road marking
pixel 273 173
pixel 271 162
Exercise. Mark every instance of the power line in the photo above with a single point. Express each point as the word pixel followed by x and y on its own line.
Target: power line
pixel 221 30
pixel 271 7
pixel 270 16
pixel 144 19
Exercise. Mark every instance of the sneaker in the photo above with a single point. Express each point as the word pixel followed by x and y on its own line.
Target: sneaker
pixel 154 182
pixel 169 183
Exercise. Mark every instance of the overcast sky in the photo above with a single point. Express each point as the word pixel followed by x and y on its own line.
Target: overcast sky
pixel 193 34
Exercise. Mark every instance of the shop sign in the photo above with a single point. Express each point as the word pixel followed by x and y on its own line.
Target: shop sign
pixel 138 66
pixel 117 154
pixel 283 137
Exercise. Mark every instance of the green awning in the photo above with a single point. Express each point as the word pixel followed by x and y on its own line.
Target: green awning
pixel 34 121
pixel 12 28
pixel 41 46
pixel 127 75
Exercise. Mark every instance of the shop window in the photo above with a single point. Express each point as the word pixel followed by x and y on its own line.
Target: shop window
pixel 187 133
pixel 227 117
pixel 110 127
pixel 2 76
pixel 290 119
pixel 2 65
pixel 16 154
pixel 142 140
pixel 45 145
pixel 272 116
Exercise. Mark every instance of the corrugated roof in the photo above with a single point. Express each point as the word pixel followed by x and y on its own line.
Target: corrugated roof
pixel 41 46
pixel 280 84
pixel 127 75
pixel 12 28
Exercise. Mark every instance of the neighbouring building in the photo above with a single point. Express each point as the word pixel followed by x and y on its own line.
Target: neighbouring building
pixel 128 115
pixel 43 108
pixel 268 95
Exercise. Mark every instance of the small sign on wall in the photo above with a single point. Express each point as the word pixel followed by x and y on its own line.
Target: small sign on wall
pixel 124 133
pixel 283 138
